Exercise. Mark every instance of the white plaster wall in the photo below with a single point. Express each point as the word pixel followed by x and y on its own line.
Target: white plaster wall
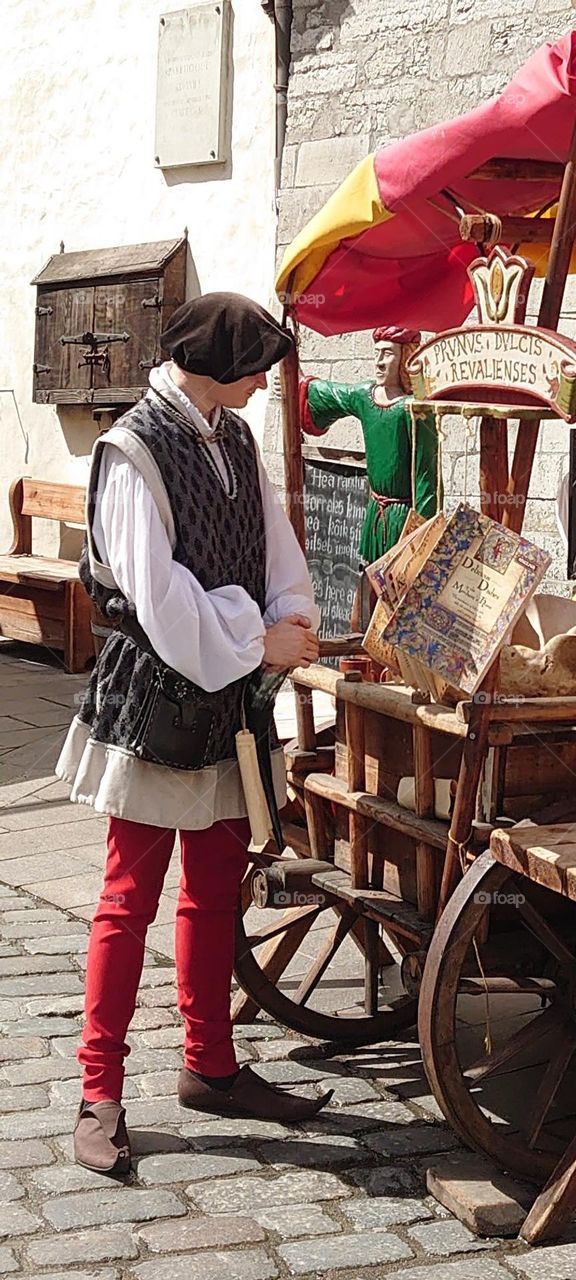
pixel 77 96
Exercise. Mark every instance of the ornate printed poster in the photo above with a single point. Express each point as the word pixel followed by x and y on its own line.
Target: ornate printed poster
pixel 455 616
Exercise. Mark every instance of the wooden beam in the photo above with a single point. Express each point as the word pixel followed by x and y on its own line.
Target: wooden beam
pixel 473 757
pixel 524 710
pixel 349 646
pixel 426 856
pixel 475 227
pixel 520 170
pixel 358 824
pixel 394 701
pixel 553 1208
pixel 427 830
pixel 549 314
pixel 493 465
pixel 292 446
pixel 304 717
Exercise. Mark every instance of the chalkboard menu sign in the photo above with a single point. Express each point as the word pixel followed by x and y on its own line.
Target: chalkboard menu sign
pixel 335 498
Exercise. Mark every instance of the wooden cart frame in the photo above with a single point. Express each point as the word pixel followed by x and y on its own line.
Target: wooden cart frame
pixel 481 732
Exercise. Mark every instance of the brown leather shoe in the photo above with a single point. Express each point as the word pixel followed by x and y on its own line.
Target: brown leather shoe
pixel 250 1095
pixel 101 1141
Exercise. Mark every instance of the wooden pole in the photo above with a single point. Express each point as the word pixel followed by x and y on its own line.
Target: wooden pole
pixel 292 445
pixel 549 315
pixel 426 856
pixel 492 473
pixel 555 1205
pixel 473 756
pixel 493 483
pixel 493 466
pixel 358 825
pixel 358 831
pixel 477 227
pixel 306 731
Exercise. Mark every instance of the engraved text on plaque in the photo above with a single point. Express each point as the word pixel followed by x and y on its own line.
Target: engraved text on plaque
pixel 192 85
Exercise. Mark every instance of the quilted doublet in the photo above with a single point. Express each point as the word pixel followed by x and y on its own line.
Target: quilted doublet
pixel 221 540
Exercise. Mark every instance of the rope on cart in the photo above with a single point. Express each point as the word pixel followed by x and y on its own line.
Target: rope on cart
pixel 492 231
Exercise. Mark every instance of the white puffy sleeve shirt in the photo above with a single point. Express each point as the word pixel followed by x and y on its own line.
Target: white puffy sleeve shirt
pixel 211 637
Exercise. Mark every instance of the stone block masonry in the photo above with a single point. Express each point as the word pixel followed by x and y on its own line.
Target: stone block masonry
pixel 366 73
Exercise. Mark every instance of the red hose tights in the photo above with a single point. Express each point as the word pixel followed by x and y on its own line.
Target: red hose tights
pixel 213 864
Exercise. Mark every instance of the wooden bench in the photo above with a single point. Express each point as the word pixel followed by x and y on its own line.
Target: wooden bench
pixel 42 600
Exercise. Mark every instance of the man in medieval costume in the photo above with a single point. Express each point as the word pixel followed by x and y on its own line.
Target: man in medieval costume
pixel 192 560
pixel 401 462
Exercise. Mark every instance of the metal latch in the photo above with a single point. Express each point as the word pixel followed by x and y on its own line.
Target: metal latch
pixel 93 340
pixel 92 356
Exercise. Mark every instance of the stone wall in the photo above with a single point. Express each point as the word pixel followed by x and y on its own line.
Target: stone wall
pixel 364 74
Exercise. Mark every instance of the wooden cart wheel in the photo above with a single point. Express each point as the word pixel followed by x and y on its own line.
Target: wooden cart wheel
pixel 515 1102
pixel 263 955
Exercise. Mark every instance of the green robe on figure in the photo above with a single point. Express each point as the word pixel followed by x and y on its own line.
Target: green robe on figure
pixel 389 458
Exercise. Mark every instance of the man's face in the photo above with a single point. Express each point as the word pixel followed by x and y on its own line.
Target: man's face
pixel 235 395
pixel 388 356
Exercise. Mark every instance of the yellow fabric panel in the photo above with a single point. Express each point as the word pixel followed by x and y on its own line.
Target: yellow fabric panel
pixel 353 207
pixel 538 253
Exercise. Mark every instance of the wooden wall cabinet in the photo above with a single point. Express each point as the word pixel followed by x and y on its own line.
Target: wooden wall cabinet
pixel 99 316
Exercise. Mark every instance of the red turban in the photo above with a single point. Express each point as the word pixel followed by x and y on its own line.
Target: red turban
pixel 394 333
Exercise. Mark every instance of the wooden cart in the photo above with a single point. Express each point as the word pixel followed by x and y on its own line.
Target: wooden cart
pixel 391 882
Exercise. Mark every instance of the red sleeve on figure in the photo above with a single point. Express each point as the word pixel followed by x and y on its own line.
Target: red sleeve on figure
pixel 307 423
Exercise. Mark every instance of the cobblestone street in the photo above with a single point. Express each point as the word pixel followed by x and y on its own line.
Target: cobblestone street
pixel 208 1199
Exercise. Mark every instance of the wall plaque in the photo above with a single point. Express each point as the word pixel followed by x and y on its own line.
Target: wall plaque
pixel 193 80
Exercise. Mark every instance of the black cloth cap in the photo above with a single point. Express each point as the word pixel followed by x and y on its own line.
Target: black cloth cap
pixel 225 337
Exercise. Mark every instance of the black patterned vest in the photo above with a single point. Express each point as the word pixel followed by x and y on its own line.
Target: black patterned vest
pixel 221 540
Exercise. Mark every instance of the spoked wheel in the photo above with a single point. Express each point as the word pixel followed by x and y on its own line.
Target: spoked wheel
pixel 512 1098
pixel 307 967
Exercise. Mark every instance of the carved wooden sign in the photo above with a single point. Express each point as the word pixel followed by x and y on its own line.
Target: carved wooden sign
pixel 500 359
pixel 507 363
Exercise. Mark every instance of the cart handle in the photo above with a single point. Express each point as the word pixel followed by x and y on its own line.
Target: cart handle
pixel 347 646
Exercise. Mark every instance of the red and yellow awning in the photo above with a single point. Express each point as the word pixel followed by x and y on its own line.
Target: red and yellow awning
pixel 384 249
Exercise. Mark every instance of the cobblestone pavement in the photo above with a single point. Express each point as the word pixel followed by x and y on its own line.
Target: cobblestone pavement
pixel 208 1199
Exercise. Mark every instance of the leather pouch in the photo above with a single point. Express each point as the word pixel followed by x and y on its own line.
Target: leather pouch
pixel 175 724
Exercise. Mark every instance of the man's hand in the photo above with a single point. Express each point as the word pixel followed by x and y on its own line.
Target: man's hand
pixel 290 643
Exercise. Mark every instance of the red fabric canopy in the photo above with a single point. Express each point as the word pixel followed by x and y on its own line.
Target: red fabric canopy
pixel 408 267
